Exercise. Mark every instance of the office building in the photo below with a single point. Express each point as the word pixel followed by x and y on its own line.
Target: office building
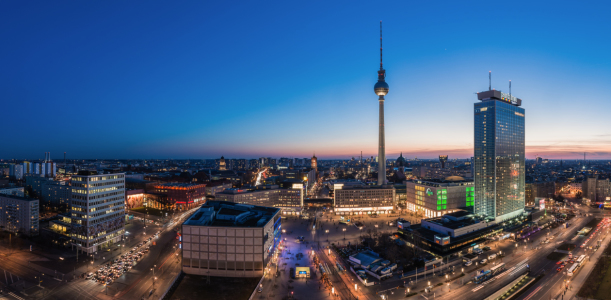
pixel 253 163
pixel 97 210
pixel 443 159
pixel 56 194
pixel 364 199
pixel 27 167
pixel 534 190
pixel 33 185
pixel 14 191
pixel 434 198
pixel 451 233
pixel 214 188
pixel 230 240
pixel 16 170
pixel 596 190
pixel 289 199
pixel 434 172
pixel 499 156
pixel 19 214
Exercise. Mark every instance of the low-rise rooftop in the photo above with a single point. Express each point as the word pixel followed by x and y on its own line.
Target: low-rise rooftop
pixel 179 185
pixel 229 214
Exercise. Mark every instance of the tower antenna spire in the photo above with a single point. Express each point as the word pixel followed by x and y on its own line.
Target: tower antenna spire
pixel 381 68
pixel 509 88
pixel 490 80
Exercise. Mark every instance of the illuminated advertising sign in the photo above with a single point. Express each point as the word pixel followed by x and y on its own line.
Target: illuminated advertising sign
pixel 509 98
pixel 429 192
pixel 403 224
pixel 542 204
pixel 442 240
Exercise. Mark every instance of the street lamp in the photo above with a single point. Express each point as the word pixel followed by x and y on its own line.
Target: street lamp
pixel 344 230
pixel 327 232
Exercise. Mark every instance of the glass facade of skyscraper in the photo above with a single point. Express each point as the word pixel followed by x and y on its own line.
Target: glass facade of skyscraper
pixel 499 158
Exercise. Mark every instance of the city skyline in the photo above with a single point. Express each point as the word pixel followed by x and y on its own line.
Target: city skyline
pixel 160 89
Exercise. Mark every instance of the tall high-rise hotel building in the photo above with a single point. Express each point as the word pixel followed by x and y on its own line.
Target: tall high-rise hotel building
pixel 97 210
pixel 499 156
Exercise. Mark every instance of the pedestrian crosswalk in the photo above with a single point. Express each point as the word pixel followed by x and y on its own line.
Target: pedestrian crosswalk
pixel 511 271
pixel 15 296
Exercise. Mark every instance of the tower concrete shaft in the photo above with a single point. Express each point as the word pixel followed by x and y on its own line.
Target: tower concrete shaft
pixel 381 146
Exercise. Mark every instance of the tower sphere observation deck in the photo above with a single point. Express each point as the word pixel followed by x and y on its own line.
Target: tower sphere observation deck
pixel 381 88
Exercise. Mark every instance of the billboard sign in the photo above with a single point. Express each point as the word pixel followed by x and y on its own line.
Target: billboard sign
pixel 542 204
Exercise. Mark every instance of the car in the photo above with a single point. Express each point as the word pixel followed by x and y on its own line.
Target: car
pixel 559 262
pixel 259 290
pixel 483 261
pixel 486 248
pixel 468 263
pixel 492 256
pixel 559 269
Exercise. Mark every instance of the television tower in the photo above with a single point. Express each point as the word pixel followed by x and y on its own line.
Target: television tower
pixel 381 89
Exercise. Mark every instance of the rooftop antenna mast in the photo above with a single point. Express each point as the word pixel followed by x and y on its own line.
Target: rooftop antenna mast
pixel 509 88
pixel 489 80
pixel 381 68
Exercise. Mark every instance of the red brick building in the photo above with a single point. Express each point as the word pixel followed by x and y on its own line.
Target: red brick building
pixel 179 196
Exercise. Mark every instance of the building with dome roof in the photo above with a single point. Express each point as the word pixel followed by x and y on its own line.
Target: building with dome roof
pixel 222 164
pixel 400 162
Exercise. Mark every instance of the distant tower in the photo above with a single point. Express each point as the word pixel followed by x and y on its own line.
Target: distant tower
pixel 381 89
pixel 222 164
pixel 314 162
pixel 442 160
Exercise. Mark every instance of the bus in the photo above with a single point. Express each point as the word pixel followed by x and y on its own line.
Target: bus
pixel 484 275
pixel 572 269
pixel 581 260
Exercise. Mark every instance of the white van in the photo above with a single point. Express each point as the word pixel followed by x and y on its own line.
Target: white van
pixel 483 261
pixel 492 256
pixel 468 263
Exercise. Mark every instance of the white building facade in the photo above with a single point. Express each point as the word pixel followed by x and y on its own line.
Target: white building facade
pixel 97 210
pixel 230 240
pixel 359 200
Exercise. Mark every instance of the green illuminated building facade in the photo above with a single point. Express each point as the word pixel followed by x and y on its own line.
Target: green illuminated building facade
pixel 434 198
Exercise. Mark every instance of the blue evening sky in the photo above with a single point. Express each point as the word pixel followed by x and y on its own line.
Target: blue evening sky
pixel 201 79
